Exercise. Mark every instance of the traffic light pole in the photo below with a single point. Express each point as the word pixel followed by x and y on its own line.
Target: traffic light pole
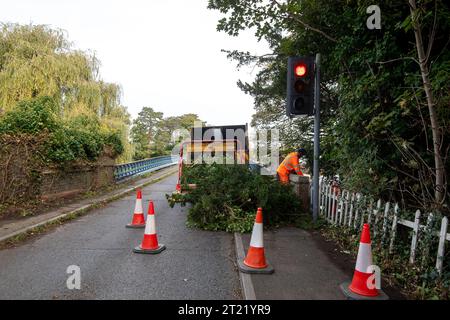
pixel 316 140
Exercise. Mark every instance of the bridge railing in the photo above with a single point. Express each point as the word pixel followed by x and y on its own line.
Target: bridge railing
pixel 127 170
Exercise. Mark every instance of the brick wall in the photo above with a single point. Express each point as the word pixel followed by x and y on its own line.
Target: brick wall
pixel 59 184
pixel 24 179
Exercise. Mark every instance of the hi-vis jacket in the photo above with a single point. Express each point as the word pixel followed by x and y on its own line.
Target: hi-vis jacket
pixel 290 165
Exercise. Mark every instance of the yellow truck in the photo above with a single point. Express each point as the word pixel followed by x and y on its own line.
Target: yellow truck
pixel 219 144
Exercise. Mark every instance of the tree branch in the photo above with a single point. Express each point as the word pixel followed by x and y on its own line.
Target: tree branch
pixel 397 59
pixel 307 26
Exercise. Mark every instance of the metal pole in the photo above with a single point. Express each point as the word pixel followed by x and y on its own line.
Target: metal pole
pixel 316 141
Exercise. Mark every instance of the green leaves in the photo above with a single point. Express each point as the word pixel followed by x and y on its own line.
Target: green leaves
pixel 226 198
pixel 37 61
pixel 372 90
pixel 78 139
pixel 31 117
pixel 152 133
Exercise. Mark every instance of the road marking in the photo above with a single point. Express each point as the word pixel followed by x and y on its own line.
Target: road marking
pixel 246 280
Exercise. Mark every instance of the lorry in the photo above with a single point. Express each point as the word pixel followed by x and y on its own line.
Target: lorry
pixel 206 144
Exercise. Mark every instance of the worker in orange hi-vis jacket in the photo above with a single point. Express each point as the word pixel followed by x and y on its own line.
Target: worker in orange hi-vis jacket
pixel 290 165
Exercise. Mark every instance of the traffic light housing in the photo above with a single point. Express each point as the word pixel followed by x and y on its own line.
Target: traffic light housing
pixel 300 86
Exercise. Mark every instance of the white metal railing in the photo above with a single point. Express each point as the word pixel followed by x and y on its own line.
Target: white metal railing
pixel 352 210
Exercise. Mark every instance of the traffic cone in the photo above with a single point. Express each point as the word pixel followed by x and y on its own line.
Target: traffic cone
pixel 150 244
pixel 359 287
pixel 138 216
pixel 255 262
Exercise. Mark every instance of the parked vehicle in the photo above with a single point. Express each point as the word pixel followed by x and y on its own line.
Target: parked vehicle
pixel 219 144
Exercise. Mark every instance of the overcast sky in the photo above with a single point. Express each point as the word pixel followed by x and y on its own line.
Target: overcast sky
pixel 164 53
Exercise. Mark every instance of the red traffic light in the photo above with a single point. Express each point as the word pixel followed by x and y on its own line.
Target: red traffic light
pixel 300 70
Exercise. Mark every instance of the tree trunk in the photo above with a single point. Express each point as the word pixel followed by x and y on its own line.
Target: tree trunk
pixel 439 165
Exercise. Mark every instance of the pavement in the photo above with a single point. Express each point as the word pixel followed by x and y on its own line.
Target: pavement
pixel 196 265
pixel 13 227
pixel 303 271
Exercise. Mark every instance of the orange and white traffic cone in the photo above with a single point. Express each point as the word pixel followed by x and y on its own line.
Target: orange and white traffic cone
pixel 363 283
pixel 150 244
pixel 138 215
pixel 255 262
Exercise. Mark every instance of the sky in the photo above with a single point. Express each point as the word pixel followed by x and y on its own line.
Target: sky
pixel 165 54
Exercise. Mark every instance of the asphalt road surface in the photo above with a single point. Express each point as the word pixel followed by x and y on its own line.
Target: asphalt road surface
pixel 196 264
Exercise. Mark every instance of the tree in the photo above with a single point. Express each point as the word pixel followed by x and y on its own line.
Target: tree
pixel 38 61
pixel 171 124
pixel 144 131
pixel 152 133
pixel 424 63
pixel 375 131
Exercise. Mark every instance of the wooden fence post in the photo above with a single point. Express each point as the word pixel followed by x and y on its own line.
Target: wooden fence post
pixel 441 246
pixel 336 208
pixel 358 204
pixel 368 216
pixel 385 220
pixel 322 193
pixel 427 233
pixel 350 214
pixel 327 203
pixel 393 229
pixel 330 204
pixel 415 237
pixel 376 214
pixel 341 206
pixel 347 205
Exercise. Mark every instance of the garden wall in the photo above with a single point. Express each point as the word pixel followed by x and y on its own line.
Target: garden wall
pixel 24 177
pixel 59 184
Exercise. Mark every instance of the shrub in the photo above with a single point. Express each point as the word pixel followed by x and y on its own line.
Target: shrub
pixel 113 139
pixel 79 138
pixel 31 116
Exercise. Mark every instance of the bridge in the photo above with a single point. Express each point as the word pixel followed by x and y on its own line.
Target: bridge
pixel 196 265
pixel 89 235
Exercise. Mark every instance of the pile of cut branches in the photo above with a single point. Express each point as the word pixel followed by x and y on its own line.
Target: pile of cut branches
pixel 226 198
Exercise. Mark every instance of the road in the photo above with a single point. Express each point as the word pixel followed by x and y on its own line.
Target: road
pixel 196 265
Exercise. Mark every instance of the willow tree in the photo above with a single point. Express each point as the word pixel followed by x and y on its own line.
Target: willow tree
pixel 36 60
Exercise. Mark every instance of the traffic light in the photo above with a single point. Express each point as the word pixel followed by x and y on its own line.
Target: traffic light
pixel 300 86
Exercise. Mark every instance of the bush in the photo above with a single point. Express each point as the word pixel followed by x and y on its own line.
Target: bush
pixel 113 139
pixel 61 147
pixel 31 116
pixel 80 138
pixel 227 197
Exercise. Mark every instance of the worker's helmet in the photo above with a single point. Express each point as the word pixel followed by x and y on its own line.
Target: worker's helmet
pixel 301 151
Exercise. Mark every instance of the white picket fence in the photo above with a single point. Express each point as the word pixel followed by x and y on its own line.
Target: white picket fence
pixel 351 210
